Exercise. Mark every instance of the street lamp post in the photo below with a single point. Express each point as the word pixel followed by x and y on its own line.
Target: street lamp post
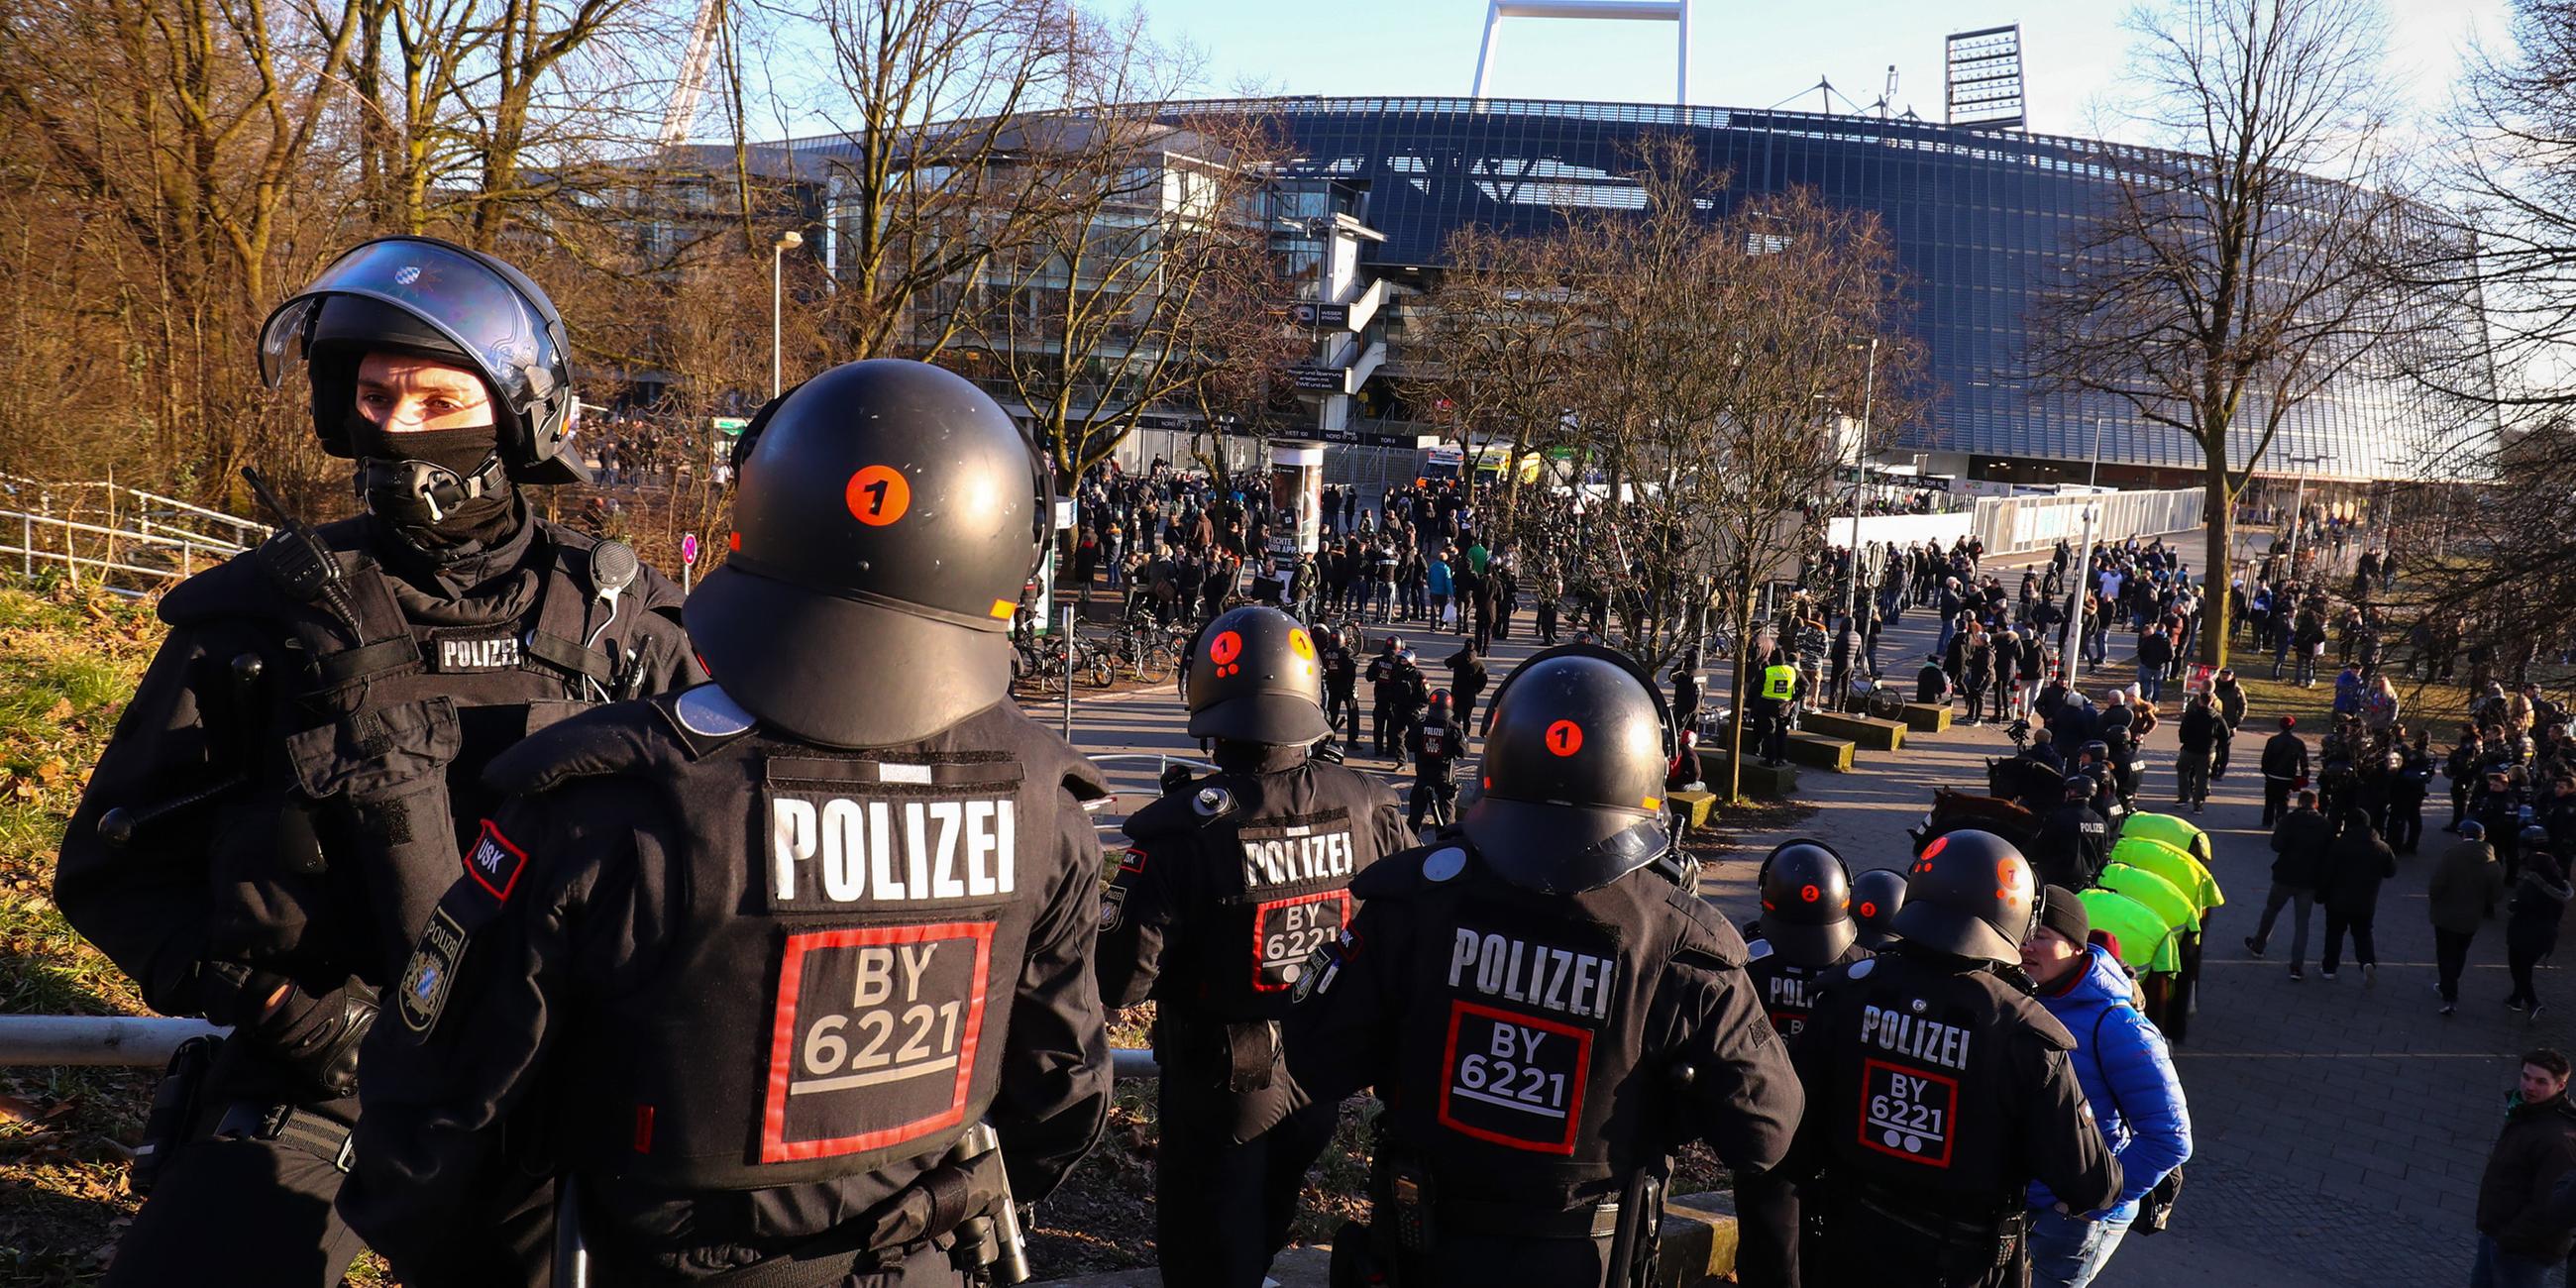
pixel 2077 610
pixel 1860 466
pixel 787 241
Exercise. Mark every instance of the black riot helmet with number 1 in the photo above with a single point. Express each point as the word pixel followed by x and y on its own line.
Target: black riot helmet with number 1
pixel 1806 903
pixel 1970 894
pixel 1576 750
pixel 1255 678
pixel 888 515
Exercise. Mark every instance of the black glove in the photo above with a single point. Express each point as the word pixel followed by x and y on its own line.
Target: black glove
pixel 317 1036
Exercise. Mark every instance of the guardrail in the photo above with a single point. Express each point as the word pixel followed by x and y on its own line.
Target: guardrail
pixel 110 1041
pixel 105 539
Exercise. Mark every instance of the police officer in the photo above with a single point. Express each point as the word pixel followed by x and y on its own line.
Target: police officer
pixel 2073 839
pixel 1232 881
pixel 1807 932
pixel 294 786
pixel 1876 897
pixel 1942 1088
pixel 1341 688
pixel 1438 742
pixel 1779 689
pixel 1399 692
pixel 761 965
pixel 1545 1004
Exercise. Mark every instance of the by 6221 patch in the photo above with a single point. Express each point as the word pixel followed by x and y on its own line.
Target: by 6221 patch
pixel 873 1037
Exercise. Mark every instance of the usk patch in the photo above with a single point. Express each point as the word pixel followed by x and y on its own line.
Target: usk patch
pixel 495 864
pixel 425 982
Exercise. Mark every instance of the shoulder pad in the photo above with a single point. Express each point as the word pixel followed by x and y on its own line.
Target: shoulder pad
pixel 1171 815
pixel 1407 872
pixel 1756 951
pixel 2043 1027
pixel 705 717
pixel 233 588
pixel 237 588
pixel 620 738
pixel 1705 934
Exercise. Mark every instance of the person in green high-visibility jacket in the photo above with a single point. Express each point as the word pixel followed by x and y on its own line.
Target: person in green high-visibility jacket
pixel 2176 832
pixel 2191 875
pixel 2145 942
pixel 1771 706
pixel 2159 991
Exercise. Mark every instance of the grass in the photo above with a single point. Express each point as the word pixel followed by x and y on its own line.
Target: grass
pixel 69 659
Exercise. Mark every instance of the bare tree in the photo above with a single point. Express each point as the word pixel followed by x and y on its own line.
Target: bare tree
pixel 2222 289
pixel 1501 339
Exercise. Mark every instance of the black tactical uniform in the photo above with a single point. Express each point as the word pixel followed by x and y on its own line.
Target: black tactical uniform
pixel 1807 932
pixel 1942 1088
pixel 1544 1003
pixel 2074 841
pixel 760 962
pixel 1232 881
pixel 294 784
pixel 1399 692
pixel 1341 690
pixel 1437 744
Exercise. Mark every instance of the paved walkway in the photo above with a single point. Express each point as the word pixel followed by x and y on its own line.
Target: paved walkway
pixel 2341 1128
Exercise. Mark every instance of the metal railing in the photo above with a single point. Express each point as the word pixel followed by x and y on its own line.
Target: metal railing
pixel 103 540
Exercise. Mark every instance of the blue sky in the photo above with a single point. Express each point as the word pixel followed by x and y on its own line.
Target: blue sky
pixel 1746 54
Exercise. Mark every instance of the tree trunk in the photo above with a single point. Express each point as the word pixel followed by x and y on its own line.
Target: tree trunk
pixel 2215 621
pixel 1743 659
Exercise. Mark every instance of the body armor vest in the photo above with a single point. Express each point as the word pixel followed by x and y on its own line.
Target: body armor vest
pixel 1269 883
pixel 1518 1079
pixel 851 928
pixel 1918 1090
pixel 386 724
pixel 1787 990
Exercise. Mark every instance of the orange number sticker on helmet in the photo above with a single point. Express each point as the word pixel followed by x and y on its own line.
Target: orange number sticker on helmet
pixel 2010 879
pixel 1222 650
pixel 1565 737
pixel 878 495
pixel 1300 643
pixel 1868 908
pixel 1810 894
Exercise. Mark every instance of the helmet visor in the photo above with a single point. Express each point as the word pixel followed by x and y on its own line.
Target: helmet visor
pixel 460 296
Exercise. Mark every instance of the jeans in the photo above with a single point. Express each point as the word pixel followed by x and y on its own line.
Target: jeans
pixel 2303 900
pixel 2450 958
pixel 2151 681
pixel 2307 669
pixel 2066 1251
pixel 2497 1268
pixel 2364 951
pixel 2191 774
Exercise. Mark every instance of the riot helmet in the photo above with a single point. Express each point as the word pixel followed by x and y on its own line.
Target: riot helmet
pixel 1254 678
pixel 1970 894
pixel 2472 830
pixel 1876 897
pixel 1576 746
pixel 887 517
pixel 433 299
pixel 1806 902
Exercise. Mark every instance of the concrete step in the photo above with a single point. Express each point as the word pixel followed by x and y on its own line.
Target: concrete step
pixel 1866 732
pixel 1765 782
pixel 1927 717
pixel 1822 752
pixel 1694 806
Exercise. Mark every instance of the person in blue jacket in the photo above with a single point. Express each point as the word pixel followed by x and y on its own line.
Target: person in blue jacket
pixel 2128 1079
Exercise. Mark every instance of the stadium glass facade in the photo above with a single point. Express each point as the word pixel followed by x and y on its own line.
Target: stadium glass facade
pixel 1979 216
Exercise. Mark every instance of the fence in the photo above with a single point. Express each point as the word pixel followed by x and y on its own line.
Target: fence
pixel 2009 524
pixel 113 533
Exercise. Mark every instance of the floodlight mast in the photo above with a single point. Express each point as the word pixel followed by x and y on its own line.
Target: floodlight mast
pixel 1676 12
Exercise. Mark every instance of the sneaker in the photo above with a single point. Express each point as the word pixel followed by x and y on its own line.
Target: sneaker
pixel 2369 974
pixel 2513 1004
pixel 2253 947
pixel 2448 1009
pixel 2327 975
pixel 2534 1017
pixel 2296 975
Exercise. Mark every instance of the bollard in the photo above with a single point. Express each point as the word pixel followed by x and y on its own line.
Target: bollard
pixel 1068 674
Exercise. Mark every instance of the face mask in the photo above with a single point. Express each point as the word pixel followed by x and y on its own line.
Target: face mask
pixel 447 480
